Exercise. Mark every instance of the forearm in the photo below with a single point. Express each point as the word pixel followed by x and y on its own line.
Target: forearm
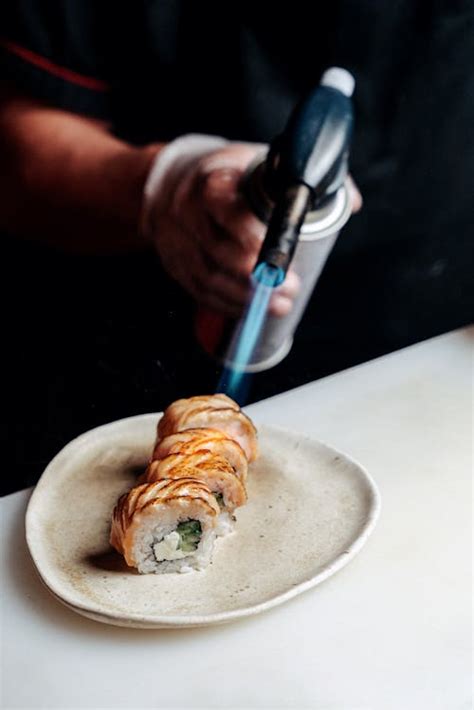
pixel 66 181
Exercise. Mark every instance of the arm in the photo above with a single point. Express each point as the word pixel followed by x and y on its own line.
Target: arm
pixel 67 181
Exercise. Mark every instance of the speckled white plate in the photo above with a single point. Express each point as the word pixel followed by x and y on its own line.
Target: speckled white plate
pixel 310 510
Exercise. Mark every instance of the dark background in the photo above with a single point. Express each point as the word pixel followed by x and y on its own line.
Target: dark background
pixel 91 339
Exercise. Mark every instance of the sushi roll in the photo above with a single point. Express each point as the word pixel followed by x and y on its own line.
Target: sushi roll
pixel 189 441
pixel 213 470
pixel 215 411
pixel 218 401
pixel 166 526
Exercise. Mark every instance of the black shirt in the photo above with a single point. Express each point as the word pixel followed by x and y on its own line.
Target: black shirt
pixel 401 270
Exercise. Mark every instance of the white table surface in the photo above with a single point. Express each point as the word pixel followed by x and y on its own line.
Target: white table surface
pixel 392 630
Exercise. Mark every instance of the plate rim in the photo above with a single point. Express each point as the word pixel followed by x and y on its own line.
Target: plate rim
pixel 131 620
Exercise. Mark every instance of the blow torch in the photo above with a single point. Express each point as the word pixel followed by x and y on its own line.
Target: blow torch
pixel 300 191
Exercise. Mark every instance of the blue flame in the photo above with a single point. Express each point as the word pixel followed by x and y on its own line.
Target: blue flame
pixel 234 381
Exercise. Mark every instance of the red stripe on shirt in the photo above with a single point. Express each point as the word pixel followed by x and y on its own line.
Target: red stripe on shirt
pixel 87 82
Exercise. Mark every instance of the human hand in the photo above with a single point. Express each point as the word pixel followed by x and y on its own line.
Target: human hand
pixel 206 235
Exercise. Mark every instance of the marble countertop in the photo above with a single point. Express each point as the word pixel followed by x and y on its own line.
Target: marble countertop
pixel 389 631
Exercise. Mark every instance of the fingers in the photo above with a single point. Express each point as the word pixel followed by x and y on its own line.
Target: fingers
pixel 209 203
pixel 354 194
pixel 209 240
pixel 227 255
pixel 235 292
pixel 280 306
pixel 236 155
pixel 282 298
pixel 190 267
pixel 232 296
pixel 233 236
pixel 290 286
pixel 213 287
pixel 223 202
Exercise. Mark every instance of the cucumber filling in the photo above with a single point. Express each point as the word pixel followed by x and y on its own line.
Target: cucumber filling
pixel 190 535
pixel 179 543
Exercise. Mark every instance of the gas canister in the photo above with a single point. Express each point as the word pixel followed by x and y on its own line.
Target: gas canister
pixel 300 190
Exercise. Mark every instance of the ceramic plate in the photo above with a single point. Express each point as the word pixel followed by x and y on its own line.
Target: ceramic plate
pixel 309 512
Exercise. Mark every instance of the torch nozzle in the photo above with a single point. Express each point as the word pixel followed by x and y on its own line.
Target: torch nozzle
pixel 284 228
pixel 268 274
